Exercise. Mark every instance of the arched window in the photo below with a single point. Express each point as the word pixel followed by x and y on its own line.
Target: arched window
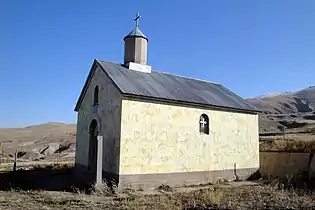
pixel 95 99
pixel 204 124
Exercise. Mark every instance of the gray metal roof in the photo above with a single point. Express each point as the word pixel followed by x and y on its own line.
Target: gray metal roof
pixel 136 32
pixel 166 86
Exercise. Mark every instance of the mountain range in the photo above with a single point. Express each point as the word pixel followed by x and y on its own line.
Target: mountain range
pixel 294 110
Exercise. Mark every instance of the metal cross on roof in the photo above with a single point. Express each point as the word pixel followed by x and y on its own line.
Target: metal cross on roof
pixel 137 19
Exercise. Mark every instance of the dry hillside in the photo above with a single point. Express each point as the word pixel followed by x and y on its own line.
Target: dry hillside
pixel 39 141
pixel 302 101
pixel 293 110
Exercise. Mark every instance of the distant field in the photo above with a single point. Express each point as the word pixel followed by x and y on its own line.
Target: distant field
pixel 289 143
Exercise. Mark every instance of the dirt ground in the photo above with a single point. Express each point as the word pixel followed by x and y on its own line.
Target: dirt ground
pixel 207 197
pixel 52 187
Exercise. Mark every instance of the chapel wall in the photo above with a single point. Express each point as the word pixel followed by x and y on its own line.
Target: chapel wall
pixel 108 119
pixel 162 138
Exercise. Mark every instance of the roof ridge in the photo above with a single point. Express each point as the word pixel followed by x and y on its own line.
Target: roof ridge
pixel 186 77
pixel 177 75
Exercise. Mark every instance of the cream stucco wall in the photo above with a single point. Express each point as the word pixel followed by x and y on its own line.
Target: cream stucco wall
pixel 108 119
pixel 161 138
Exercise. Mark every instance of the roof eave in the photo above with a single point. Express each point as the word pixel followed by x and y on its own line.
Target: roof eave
pixel 131 36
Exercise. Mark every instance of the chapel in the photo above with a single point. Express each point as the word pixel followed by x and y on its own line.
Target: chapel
pixel 143 128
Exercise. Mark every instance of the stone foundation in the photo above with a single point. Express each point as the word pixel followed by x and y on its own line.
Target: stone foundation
pixel 151 181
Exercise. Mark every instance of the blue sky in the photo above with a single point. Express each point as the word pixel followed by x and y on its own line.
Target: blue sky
pixel 47 48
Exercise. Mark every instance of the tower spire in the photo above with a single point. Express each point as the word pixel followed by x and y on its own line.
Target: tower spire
pixel 136 45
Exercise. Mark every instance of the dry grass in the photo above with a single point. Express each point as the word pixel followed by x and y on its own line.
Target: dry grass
pixel 29 165
pixel 291 136
pixel 227 197
pixel 275 194
pixel 291 143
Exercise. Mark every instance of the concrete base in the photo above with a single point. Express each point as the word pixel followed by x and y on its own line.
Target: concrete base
pixel 151 181
pixel 83 177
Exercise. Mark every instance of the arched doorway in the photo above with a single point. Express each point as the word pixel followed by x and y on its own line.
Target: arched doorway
pixel 93 132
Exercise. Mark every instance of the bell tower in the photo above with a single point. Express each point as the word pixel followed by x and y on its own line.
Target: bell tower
pixel 135 50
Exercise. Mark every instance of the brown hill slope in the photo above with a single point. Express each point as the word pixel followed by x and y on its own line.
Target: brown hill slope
pixel 302 101
pixel 293 110
pixel 38 141
pixel 307 94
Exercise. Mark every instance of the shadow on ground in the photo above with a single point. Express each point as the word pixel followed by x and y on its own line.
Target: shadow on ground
pixel 61 179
